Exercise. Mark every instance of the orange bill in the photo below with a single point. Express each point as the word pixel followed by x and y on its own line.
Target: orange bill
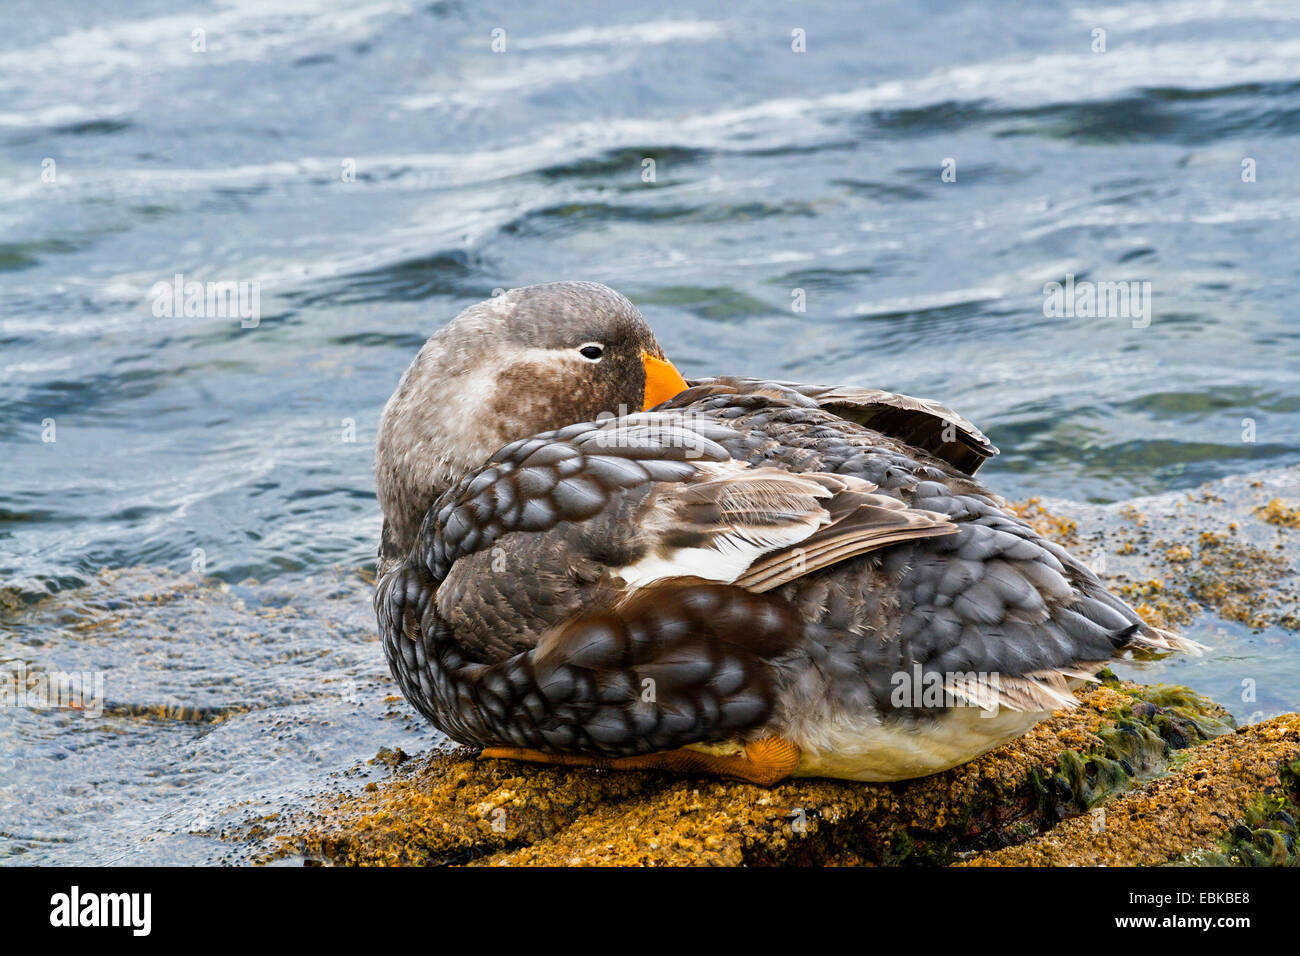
pixel 662 380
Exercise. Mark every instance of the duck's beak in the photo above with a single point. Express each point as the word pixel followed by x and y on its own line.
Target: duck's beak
pixel 662 380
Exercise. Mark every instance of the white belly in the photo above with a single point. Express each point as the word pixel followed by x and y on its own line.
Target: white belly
pixel 862 748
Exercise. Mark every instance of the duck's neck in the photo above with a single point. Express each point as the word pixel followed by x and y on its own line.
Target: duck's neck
pixel 433 431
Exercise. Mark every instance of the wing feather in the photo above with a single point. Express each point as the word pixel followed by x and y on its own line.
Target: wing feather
pixel 760 527
pixel 921 422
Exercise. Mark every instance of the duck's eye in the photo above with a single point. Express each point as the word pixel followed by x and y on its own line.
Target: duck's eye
pixel 591 351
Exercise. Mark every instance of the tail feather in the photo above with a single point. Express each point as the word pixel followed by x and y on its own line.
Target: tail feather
pixel 1148 638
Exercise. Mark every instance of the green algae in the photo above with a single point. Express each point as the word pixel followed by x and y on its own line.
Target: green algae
pixel 1140 743
pixel 1181 716
pixel 1181 817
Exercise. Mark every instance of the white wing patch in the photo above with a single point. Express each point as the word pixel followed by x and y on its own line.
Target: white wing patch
pixel 706 563
pixel 741 512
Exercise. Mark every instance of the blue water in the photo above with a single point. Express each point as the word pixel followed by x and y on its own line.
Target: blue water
pixel 194 442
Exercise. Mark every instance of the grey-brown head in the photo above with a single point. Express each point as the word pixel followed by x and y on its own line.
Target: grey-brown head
pixel 526 361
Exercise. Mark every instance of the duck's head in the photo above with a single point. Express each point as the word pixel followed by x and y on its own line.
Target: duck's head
pixel 525 361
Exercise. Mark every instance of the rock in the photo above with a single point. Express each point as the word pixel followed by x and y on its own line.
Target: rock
pixel 1167 820
pixel 1228 548
pixel 454 808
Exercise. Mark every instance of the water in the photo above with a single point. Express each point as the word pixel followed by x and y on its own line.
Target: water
pixel 190 443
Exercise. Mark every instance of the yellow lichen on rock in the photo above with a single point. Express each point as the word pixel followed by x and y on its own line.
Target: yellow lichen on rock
pixel 1277 512
pixel 1056 527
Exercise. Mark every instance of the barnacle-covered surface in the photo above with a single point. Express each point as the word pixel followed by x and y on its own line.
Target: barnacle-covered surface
pixel 459 809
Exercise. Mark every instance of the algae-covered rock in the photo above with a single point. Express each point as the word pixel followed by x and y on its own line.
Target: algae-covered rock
pixel 1267 834
pixel 1196 808
pixel 454 808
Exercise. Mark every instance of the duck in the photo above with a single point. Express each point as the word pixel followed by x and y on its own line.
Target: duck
pixel 587 560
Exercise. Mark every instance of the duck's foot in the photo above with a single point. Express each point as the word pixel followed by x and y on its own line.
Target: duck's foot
pixel 764 762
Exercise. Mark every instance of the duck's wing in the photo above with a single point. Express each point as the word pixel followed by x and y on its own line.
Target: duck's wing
pixel 992 597
pixel 760 527
pixel 660 492
pixel 547 589
pixel 679 664
pixel 920 422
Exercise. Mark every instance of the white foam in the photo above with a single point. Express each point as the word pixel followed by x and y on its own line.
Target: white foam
pixel 629 34
pixel 243 30
pixel 1147 16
